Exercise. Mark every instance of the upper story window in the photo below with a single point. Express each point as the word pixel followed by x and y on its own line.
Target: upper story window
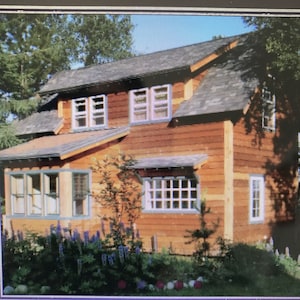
pixel 171 194
pixel 89 112
pixel 268 113
pixel 150 104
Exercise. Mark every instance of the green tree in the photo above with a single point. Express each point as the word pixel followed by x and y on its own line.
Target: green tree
pixel 120 193
pixel 277 44
pixel 33 47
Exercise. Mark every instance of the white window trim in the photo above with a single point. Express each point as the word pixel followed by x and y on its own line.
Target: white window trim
pixel 147 201
pixel 260 218
pixel 150 104
pixel 270 101
pixel 89 112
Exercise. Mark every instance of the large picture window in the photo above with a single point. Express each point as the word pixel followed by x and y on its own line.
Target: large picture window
pixel 89 112
pixel 150 104
pixel 257 190
pixel 171 194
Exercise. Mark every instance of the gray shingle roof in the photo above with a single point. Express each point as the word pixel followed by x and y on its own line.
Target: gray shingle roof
pixel 63 145
pixel 40 122
pixel 136 67
pixel 227 86
pixel 170 161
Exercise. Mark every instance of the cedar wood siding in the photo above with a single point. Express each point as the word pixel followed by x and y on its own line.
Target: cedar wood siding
pixel 153 140
pixel 249 159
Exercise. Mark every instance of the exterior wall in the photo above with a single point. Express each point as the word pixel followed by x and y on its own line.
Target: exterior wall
pixel 249 159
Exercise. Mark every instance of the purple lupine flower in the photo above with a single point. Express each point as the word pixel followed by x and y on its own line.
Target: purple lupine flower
pixel 61 250
pixel 137 250
pixel 98 234
pixel 58 229
pixel 86 237
pixel 121 253
pixel 141 285
pixel 76 235
pixel 104 259
pixel 110 260
pixel 126 251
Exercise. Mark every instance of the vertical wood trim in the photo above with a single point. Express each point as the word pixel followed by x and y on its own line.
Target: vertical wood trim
pixel 8 206
pixel 228 181
pixel 60 108
pixel 65 195
pixel 188 89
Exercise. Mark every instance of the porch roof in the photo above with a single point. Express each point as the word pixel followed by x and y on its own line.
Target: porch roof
pixel 62 146
pixel 178 161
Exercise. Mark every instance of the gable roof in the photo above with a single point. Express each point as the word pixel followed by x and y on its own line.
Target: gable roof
pixel 62 146
pixel 39 122
pixel 136 67
pixel 228 85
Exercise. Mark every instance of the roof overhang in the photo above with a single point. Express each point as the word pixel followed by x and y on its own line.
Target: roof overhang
pixel 167 162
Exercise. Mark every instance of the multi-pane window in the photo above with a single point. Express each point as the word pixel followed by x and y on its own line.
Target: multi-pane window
pixel 150 104
pixel 38 193
pixel 170 194
pixel 35 194
pixel 89 112
pixel 80 194
pixel 268 113
pixel 257 198
pixel 18 194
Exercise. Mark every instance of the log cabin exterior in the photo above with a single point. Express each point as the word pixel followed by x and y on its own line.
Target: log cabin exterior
pixel 196 120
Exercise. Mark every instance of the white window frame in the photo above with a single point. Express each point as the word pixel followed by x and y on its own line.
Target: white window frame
pixel 17 194
pixel 90 113
pixel 268 110
pixel 256 198
pixel 161 199
pixel 151 105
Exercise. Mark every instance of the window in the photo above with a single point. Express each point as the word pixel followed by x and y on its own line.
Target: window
pixel 170 194
pixel 17 194
pixel 150 104
pixel 38 194
pixel 34 194
pixel 257 189
pixel 89 112
pixel 268 113
pixel 51 194
pixel 80 194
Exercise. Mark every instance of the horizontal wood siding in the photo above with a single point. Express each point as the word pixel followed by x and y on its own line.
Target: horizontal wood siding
pixel 251 153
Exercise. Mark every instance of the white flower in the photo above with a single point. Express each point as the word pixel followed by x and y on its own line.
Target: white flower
pixel 191 283
pixel 170 285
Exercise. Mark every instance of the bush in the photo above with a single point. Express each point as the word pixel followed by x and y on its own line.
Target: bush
pixel 244 263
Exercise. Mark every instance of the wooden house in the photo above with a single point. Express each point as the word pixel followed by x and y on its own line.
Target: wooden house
pixel 199 123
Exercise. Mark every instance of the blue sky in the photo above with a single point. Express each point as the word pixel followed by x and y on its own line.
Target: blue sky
pixel 159 32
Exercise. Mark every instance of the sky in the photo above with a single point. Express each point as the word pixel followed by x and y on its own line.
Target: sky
pixel 160 32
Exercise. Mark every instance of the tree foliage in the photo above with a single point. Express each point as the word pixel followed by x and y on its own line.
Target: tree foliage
pixel 33 47
pixel 277 43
